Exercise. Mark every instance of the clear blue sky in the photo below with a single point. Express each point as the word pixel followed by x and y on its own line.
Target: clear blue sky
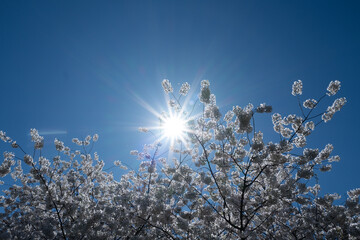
pixel 73 67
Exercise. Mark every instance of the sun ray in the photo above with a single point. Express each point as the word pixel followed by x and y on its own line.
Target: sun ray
pixel 175 122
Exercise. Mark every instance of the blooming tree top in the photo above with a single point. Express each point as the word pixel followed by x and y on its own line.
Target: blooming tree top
pixel 222 181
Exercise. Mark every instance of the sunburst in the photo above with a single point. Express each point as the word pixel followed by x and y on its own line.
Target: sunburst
pixel 174 124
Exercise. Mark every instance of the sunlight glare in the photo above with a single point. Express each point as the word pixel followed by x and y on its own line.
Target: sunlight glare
pixel 174 127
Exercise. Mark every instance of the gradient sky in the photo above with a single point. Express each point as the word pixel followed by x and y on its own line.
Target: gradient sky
pixel 72 68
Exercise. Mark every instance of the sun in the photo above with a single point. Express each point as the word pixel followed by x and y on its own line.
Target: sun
pixel 176 124
pixel 174 127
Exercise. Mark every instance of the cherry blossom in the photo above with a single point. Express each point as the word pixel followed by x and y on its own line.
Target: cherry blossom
pixel 223 182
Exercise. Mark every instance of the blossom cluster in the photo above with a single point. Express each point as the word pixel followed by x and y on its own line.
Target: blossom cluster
pixel 297 88
pixel 331 110
pixel 224 182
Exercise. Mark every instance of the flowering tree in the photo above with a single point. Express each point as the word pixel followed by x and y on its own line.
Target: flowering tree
pixel 222 182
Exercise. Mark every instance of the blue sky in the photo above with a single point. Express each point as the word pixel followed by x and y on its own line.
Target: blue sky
pixel 72 68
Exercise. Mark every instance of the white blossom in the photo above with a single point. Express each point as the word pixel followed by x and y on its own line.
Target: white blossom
pixel 134 152
pixel 224 181
pixel 77 141
pixel 143 129
pixel 59 145
pixel 286 132
pixel 167 86
pixel 185 87
pixel 14 144
pixel 205 92
pixel 334 159
pixel 310 125
pixel 229 116
pixel 310 103
pixel 28 159
pixel 300 141
pixel 326 168
pixel 333 87
pixel 3 136
pixel 120 165
pixel 95 137
pixel 88 138
pixel 325 153
pixel 331 110
pixel 263 108
pixel 35 137
pixel 297 88
pixel 354 193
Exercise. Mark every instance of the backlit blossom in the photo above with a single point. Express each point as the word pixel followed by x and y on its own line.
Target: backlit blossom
pixel 167 86
pixel 331 110
pixel 310 103
pixel 297 88
pixel 333 88
pixel 205 92
pixel 354 193
pixel 300 141
pixel 95 137
pixel 185 87
pixel 263 108
pixel 229 116
pixel 3 136
pixel 14 144
pixel 28 159
pixel 35 137
pixel 223 181
pixel 325 168
pixel 134 152
pixel 59 145
pixel 143 129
